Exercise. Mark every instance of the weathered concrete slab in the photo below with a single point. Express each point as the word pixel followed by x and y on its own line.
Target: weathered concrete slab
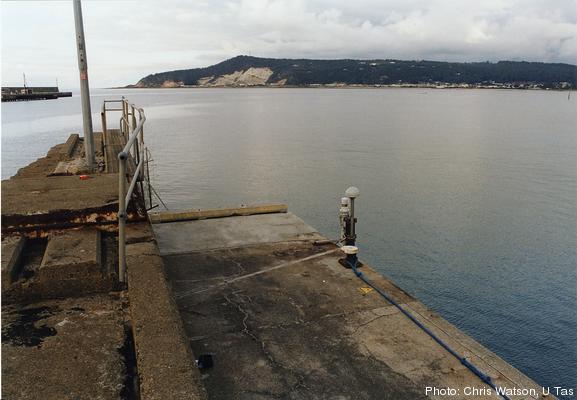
pixel 211 234
pixel 57 193
pixel 58 201
pixel 66 264
pixel 283 319
pixel 80 347
pixel 73 254
pixel 166 366
pixel 11 255
pixel 44 195
pixel 68 349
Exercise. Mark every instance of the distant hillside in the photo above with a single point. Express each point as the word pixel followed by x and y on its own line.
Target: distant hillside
pixel 253 71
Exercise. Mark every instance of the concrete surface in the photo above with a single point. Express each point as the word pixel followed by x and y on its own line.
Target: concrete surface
pixel 58 192
pixel 166 366
pixel 65 264
pixel 84 347
pixel 58 201
pixel 78 249
pixel 35 201
pixel 283 319
pixel 71 349
pixel 209 234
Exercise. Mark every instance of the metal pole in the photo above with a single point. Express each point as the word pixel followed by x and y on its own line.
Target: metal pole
pixel 122 217
pixel 126 131
pixel 104 128
pixel 148 180
pixel 352 193
pixel 84 89
pixel 353 232
pixel 132 129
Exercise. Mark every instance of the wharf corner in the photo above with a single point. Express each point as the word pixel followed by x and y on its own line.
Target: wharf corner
pixel 104 299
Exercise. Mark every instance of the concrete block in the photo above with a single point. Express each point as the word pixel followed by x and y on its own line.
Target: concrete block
pixel 11 255
pixel 74 254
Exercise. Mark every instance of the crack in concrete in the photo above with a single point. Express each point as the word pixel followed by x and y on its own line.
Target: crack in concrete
pixel 241 269
pixel 361 326
pixel 246 330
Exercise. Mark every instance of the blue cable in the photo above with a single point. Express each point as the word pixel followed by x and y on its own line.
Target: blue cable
pixel 484 377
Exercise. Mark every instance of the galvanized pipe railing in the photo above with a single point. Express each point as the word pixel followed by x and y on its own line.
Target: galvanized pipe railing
pixel 133 130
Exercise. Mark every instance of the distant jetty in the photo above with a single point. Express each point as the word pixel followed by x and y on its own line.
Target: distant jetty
pixel 24 93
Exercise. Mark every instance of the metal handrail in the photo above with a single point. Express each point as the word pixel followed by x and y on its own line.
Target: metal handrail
pixel 133 131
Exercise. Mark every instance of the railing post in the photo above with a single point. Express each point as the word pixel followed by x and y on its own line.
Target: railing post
pixel 148 178
pixel 124 117
pixel 122 214
pixel 137 145
pixel 103 120
pixel 133 119
pixel 142 146
pixel 141 156
pixel 134 147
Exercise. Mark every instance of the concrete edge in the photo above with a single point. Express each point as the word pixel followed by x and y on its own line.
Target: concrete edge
pixel 68 149
pixel 501 372
pixel 166 365
pixel 188 215
pixel 12 251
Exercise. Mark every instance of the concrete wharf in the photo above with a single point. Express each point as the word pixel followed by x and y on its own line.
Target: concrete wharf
pixel 23 93
pixel 255 288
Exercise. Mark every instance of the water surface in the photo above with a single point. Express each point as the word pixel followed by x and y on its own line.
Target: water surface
pixel 468 197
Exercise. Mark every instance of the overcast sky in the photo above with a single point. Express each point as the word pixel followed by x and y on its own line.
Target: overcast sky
pixel 127 40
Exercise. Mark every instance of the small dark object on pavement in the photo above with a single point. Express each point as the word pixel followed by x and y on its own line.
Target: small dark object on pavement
pixel 204 361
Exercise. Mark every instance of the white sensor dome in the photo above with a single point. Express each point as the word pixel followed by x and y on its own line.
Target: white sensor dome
pixel 352 192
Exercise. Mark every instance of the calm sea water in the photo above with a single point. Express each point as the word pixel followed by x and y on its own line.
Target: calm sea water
pixel 468 197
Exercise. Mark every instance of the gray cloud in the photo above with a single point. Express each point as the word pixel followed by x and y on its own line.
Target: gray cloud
pixel 129 39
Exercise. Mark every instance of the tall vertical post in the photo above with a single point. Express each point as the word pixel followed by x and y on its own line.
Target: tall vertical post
pixel 351 260
pixel 122 214
pixel 352 193
pixel 84 89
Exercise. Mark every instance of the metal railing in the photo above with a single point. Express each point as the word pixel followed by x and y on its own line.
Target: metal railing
pixel 132 129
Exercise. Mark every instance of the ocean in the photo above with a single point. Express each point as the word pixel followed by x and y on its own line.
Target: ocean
pixel 468 198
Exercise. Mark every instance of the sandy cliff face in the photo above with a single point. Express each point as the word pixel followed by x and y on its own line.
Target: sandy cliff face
pixel 250 77
pixel 165 84
pixel 171 84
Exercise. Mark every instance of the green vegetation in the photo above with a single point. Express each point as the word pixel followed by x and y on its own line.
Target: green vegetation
pixel 305 72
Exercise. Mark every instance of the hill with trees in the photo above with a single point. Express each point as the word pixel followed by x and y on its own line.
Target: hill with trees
pixel 254 71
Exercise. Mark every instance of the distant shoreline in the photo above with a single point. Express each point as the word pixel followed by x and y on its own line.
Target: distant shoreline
pixel 246 71
pixel 408 86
